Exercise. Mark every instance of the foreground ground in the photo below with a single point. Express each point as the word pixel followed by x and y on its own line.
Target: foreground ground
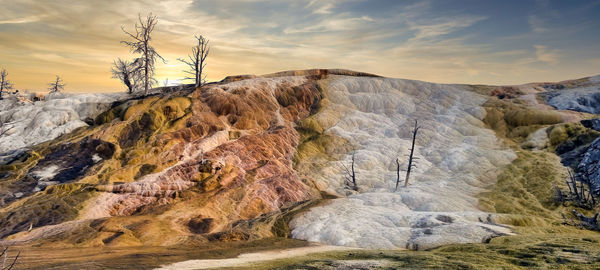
pixel 567 250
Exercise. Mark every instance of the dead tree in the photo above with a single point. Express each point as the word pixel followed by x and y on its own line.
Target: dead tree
pixel 577 193
pixel 141 45
pixel 5 254
pixel 5 84
pixel 350 176
pixel 581 196
pixel 590 223
pixel 128 73
pixel 412 151
pixel 57 85
pixel 197 61
pixel 397 173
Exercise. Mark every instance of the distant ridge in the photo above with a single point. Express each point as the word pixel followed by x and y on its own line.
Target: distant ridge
pixel 304 72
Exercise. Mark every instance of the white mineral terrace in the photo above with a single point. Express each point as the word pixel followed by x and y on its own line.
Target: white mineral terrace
pixel 458 157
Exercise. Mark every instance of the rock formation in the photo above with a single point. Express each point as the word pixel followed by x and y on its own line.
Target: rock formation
pixel 227 161
pixel 589 167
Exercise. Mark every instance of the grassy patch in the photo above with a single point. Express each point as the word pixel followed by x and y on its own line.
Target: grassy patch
pixel 570 135
pixel 515 122
pixel 54 205
pixel 525 189
pixel 514 252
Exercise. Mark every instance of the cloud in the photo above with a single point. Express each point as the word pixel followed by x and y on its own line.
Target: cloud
pixel 50 57
pixel 545 55
pixel 330 25
pixel 28 19
pixel 421 19
pixel 322 6
pixel 443 26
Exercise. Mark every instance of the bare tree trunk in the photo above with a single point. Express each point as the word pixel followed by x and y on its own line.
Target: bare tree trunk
pixel 141 44
pixel 5 253
pixel 5 256
pixel 588 222
pixel 57 85
pixel 574 184
pixel 354 174
pixel 412 150
pixel 14 261
pixel 146 68
pixel 2 78
pixel 569 185
pixel 197 61
pixel 5 84
pixel 350 181
pixel 397 173
pixel 197 70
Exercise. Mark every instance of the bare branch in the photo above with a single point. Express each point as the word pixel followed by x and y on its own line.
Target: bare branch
pixel 412 150
pixel 5 84
pixel 5 254
pixel 14 261
pixel 141 45
pixel 197 60
pixel 397 172
pixel 57 85
pixel 128 73
pixel 350 175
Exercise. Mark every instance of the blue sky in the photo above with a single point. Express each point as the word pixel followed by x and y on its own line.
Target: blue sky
pixel 449 41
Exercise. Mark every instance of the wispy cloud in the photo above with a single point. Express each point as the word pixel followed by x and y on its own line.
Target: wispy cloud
pixel 443 26
pixel 321 6
pixel 545 55
pixel 331 24
pixel 28 19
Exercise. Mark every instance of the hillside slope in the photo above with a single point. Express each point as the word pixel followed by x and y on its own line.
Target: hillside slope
pixel 261 156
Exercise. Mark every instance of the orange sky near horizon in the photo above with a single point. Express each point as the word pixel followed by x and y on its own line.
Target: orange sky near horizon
pixel 78 41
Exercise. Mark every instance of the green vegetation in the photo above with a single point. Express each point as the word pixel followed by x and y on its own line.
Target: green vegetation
pixel 54 205
pixel 574 133
pixel 525 190
pixel 515 122
pixel 572 251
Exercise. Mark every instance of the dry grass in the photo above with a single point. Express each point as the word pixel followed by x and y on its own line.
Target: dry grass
pixel 575 132
pixel 525 190
pixel 145 257
pixel 514 122
pixel 541 251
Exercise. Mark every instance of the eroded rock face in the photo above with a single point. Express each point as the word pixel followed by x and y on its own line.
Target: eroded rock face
pixel 194 164
pixel 592 123
pixel 72 160
pixel 581 99
pixel 589 168
pixel 65 163
pixel 259 164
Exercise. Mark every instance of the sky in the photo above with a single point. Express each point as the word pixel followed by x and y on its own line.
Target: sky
pixel 444 41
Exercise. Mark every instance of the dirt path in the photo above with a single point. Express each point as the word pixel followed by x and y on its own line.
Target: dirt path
pixel 248 258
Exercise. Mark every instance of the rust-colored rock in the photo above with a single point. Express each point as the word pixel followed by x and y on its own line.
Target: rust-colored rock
pixel 200 163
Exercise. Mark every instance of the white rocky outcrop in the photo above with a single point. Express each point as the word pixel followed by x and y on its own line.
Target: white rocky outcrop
pixel 24 124
pixel 458 157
